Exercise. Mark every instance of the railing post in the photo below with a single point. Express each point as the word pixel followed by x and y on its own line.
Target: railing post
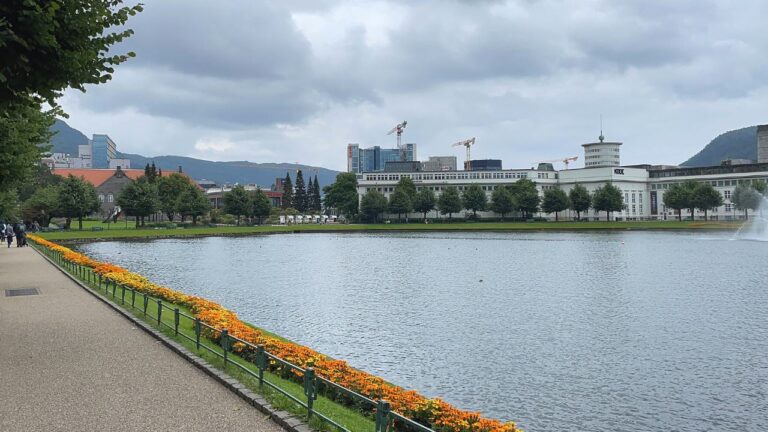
pixel 261 362
pixel 114 289
pixel 225 344
pixel 382 415
pixel 197 333
pixel 122 295
pixel 310 389
pixel 146 303
pixel 133 298
pixel 99 281
pixel 159 311
pixel 176 321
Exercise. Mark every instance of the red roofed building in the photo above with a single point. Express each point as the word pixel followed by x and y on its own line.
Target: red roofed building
pixel 108 182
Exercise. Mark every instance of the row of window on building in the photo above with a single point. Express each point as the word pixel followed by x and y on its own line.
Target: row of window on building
pixel 455 176
pixel 603 157
pixel 110 198
pixel 598 150
pixel 715 183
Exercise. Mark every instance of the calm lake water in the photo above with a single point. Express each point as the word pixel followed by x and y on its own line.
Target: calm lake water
pixel 629 331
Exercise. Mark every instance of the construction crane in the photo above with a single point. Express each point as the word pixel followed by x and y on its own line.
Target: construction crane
pixel 399 129
pixel 466 143
pixel 566 161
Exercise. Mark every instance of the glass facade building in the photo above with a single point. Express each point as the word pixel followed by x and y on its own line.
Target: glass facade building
pixel 374 158
pixel 102 150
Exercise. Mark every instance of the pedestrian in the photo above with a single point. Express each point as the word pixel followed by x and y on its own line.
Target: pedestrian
pixel 9 234
pixel 23 240
pixel 17 232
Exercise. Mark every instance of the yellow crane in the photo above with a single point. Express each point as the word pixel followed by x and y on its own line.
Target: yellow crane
pixel 466 143
pixel 399 129
pixel 566 161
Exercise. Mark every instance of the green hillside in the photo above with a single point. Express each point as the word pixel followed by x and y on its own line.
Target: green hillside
pixel 736 144
pixel 66 140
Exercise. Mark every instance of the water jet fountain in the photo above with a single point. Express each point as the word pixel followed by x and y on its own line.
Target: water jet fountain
pixel 756 229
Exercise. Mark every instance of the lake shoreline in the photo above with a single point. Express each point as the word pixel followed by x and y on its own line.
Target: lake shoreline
pixel 231 231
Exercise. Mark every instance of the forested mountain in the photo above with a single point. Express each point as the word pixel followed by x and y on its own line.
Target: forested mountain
pixel 67 139
pixel 736 144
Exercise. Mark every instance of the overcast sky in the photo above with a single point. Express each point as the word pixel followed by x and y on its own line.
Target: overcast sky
pixel 296 80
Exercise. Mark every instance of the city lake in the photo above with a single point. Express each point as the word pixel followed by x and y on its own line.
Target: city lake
pixel 616 331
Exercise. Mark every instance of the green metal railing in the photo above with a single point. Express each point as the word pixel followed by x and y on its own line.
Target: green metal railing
pixel 386 420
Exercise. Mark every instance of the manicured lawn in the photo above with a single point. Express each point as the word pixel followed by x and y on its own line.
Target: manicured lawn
pixel 119 230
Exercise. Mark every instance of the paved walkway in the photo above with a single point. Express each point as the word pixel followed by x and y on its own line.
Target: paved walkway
pixel 70 363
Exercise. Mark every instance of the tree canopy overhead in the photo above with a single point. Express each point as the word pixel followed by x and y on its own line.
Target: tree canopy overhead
pixel 50 46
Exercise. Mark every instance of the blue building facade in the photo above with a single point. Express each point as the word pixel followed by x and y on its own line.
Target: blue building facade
pixel 103 149
pixel 374 158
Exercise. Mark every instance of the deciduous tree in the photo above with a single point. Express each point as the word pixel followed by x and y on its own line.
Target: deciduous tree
pixel 41 206
pixel 24 136
pixel 608 198
pixel 705 197
pixel 237 202
pixel 169 190
pixel 474 199
pixel 400 202
pixel 50 46
pixel 526 196
pixel 76 199
pixel 555 200
pixel 138 199
pixel 342 195
pixel 373 204
pixel 676 197
pixel 193 203
pixel 449 202
pixel 406 185
pixel 261 205
pixel 502 201
pixel 424 201
pixel 580 199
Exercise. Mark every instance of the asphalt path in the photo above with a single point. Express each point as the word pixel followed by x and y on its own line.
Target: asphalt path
pixel 68 362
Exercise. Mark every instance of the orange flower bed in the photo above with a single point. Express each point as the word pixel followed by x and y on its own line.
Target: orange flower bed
pixel 439 415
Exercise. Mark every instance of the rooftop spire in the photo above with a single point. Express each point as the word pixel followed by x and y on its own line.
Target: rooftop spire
pixel 601 137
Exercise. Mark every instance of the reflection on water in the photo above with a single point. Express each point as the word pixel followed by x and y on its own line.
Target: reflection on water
pixel 595 332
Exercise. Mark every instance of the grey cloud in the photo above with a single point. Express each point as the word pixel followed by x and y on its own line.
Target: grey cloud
pixel 206 101
pixel 236 40
pixel 527 77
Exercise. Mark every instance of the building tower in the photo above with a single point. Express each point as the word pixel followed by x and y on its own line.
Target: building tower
pixel 601 154
pixel 762 144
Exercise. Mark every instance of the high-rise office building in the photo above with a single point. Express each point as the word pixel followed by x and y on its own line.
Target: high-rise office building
pixel 374 158
pixel 762 144
pixel 440 163
pixel 103 150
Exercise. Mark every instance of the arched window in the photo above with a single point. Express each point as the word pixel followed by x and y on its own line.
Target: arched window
pixel 101 197
pixel 110 197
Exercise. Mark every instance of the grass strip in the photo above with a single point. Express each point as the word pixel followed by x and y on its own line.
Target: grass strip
pixel 121 232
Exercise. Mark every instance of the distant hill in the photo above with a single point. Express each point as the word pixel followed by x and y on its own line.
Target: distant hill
pixel 67 139
pixel 736 144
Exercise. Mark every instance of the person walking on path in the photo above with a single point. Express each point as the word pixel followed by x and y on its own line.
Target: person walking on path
pixel 8 234
pixel 17 232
